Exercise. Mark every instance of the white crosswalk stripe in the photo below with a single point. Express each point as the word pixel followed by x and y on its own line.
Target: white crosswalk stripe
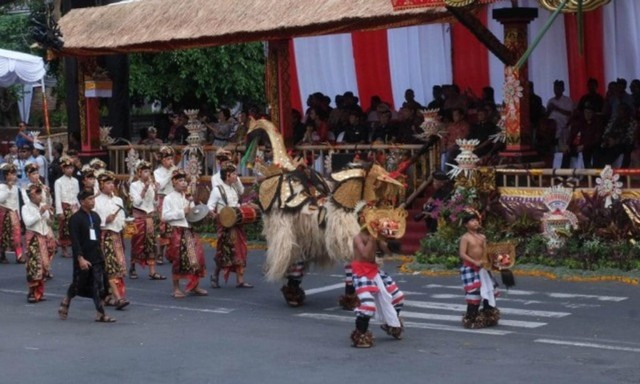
pixel 438 308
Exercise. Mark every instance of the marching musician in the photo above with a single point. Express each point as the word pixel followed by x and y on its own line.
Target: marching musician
pixel 66 200
pixel 231 251
pixel 9 216
pixel 36 215
pixel 88 177
pixel 143 247
pixel 162 176
pixel 33 176
pixel 110 208
pixel 185 251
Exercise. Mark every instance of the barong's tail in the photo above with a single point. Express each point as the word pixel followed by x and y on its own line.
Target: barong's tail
pixel 281 253
pixel 311 238
pixel 342 227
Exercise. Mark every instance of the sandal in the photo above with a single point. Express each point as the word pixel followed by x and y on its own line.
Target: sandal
pixel 244 285
pixel 105 319
pixel 133 274
pixel 157 276
pixel 214 282
pixel 31 298
pixel 178 295
pixel 198 292
pixel 159 262
pixel 120 304
pixel 20 260
pixel 63 311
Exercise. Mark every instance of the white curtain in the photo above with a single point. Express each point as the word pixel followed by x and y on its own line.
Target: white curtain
pixel 419 58
pixel 621 47
pixel 18 67
pixel 549 60
pixel 24 104
pixel 325 64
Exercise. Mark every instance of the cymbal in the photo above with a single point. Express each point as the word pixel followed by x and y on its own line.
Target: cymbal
pixel 197 213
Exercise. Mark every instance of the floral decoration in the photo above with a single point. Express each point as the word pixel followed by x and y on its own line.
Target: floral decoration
pixel 609 186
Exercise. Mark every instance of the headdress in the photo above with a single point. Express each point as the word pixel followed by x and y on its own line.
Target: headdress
pixel 97 164
pixel 34 188
pixel 30 168
pixel 166 151
pixel 223 154
pixel 8 168
pixel 38 145
pixel 87 171
pixel 104 176
pixel 468 214
pixel 66 161
pixel 178 174
pixel 142 164
pixel 84 194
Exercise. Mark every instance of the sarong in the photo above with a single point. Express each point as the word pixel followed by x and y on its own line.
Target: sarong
pixel 64 238
pixel 164 229
pixel 143 246
pixel 91 283
pixel 364 279
pixel 10 231
pixel 186 255
pixel 114 261
pixel 231 250
pixel 37 254
pixel 471 283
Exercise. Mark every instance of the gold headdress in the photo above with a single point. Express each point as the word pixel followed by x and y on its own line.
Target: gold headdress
pixel 388 223
pixel 166 151
pixel 97 164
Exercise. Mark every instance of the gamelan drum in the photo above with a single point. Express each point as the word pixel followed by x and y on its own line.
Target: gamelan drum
pixel 232 216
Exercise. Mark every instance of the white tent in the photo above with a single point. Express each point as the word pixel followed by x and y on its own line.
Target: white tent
pixel 25 69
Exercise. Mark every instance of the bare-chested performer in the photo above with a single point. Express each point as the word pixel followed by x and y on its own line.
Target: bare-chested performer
pixel 472 252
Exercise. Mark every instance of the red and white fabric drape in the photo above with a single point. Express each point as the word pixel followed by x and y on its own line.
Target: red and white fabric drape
pixel 386 62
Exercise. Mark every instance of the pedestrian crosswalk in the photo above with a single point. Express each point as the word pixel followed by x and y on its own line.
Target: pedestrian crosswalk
pixel 440 307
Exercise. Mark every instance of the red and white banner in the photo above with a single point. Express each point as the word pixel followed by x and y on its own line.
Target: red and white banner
pixel 386 62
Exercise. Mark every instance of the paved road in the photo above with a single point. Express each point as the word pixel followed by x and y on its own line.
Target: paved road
pixel 551 332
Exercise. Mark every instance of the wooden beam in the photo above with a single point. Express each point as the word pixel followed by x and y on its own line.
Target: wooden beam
pixel 485 36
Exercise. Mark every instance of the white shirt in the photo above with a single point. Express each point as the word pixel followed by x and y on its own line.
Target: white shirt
pixel 43 169
pixel 34 220
pixel 23 178
pixel 216 180
pixel 9 197
pixel 232 193
pixel 107 205
pixel 145 203
pixel 162 176
pixel 561 120
pixel 173 209
pixel 66 190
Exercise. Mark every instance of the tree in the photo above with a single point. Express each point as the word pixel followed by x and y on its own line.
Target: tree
pixel 197 78
pixel 14 36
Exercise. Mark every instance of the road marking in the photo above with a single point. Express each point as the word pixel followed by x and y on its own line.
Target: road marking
pixel 408 324
pixel 458 319
pixel 500 299
pixel 587 345
pixel 220 310
pixel 313 291
pixel 555 295
pixel 503 310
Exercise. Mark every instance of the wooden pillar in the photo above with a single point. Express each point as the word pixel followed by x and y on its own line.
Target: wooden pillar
pixel 91 86
pixel 517 122
pixel 278 87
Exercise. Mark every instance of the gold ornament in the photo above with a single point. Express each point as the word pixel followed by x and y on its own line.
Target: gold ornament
pixel 572 5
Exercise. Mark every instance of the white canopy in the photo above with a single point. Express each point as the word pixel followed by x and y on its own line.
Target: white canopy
pixel 20 68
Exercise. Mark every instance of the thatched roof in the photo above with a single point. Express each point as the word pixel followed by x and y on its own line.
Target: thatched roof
pixel 157 25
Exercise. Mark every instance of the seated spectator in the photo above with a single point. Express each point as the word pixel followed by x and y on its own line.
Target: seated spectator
pixel 618 139
pixel 592 97
pixel 317 130
pixel 457 129
pixel 152 137
pixel 384 130
pixel 356 132
pixel 408 126
pixel 482 130
pixel 438 100
pixel 410 100
pixel 297 126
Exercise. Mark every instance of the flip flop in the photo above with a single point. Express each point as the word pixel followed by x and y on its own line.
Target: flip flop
pixel 105 319
pixel 178 295
pixel 120 304
pixel 157 276
pixel 244 285
pixel 198 292
pixel 63 311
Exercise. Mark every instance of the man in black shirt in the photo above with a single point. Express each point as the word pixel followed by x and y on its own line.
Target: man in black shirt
pixel 89 276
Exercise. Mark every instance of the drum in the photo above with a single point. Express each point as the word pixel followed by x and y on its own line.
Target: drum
pixel 232 216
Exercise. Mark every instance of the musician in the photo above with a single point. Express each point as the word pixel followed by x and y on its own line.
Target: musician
pixel 36 215
pixel 66 201
pixel 231 251
pixel 162 176
pixel 185 250
pixel 143 247
pixel 33 176
pixel 222 156
pixel 97 165
pixel 110 208
pixel 9 216
pixel 88 177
